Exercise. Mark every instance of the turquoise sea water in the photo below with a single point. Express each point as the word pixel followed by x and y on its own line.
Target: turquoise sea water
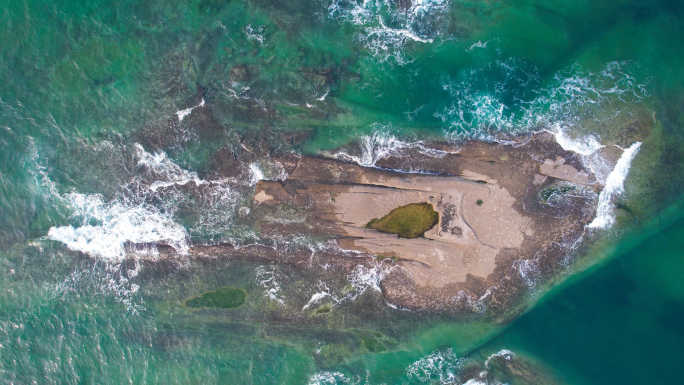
pixel 95 157
pixel 621 324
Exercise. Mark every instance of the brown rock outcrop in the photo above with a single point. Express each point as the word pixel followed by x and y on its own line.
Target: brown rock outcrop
pixel 491 215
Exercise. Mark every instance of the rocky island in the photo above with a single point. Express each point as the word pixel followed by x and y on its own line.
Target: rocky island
pixel 489 218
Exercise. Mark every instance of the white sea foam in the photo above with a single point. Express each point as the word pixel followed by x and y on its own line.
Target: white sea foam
pixel 479 44
pixel 508 96
pixel 161 178
pixel 266 170
pixel 361 279
pixel 474 381
pixel 385 29
pixel 373 148
pixel 328 378
pixel 183 113
pixel 268 278
pixel 110 279
pixel 441 365
pixel 316 298
pixel 585 145
pixel 380 145
pixel 505 353
pixel 256 33
pixel 105 228
pixel 528 270
pixel 257 174
pixel 615 186
pixel 403 32
pixel 166 172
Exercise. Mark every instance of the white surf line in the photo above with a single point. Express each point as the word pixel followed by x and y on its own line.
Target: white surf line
pixel 586 145
pixel 317 297
pixel 404 32
pixel 505 353
pixel 182 114
pixel 615 186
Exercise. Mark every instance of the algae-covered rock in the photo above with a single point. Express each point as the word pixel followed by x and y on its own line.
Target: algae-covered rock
pixel 372 345
pixel 223 298
pixel 409 221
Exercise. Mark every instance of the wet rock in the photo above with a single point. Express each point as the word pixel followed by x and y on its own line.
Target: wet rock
pixel 240 73
pixel 517 370
pixel 223 298
pixel 318 76
pixel 296 137
pixel 497 232
pixel 559 170
pixel 484 229
pixel 161 134
pixel 226 163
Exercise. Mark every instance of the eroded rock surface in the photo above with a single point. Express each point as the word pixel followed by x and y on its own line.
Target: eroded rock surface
pixel 494 208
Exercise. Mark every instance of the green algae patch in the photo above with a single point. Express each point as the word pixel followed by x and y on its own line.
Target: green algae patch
pixel 410 221
pixel 223 298
pixel 373 345
pixel 323 309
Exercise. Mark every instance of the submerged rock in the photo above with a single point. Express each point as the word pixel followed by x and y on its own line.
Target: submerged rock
pixel 240 73
pixel 223 298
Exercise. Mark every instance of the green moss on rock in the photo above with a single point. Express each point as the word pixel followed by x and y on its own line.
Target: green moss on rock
pixel 223 298
pixel 372 345
pixel 410 221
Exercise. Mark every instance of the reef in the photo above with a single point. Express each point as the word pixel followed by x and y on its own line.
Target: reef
pixel 224 298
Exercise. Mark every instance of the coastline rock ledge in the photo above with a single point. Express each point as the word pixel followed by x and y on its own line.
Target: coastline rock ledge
pixel 508 214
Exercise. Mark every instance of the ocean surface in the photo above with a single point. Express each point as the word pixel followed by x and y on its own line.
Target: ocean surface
pixel 112 114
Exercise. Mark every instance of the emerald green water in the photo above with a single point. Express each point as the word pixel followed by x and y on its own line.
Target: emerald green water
pixel 94 157
pixel 620 324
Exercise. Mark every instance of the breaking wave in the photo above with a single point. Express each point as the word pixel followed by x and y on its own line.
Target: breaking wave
pixel 145 211
pixel 440 365
pixel 615 186
pixel 183 113
pixel 329 378
pixel 104 229
pixel 586 145
pixel 380 145
pixel 444 366
pixel 505 353
pixel 508 96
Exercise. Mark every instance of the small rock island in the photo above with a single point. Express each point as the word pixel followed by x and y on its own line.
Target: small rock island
pixel 458 230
